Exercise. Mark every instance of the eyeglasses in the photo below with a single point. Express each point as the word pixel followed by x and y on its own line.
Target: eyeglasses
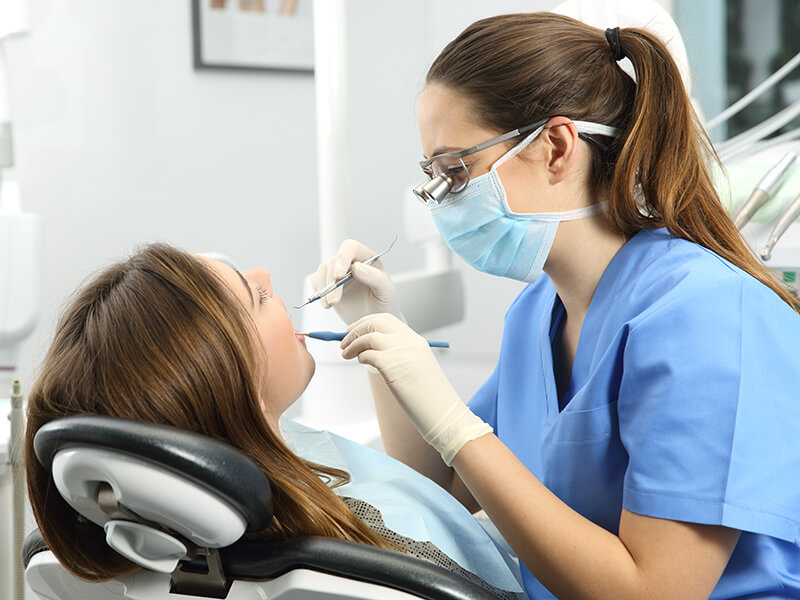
pixel 447 172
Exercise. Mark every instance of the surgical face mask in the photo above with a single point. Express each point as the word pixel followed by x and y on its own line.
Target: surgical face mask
pixel 478 225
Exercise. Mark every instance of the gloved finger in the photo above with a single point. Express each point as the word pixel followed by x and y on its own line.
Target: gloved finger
pixel 324 302
pixel 318 281
pixel 371 358
pixel 374 340
pixel 375 279
pixel 330 277
pixel 351 250
pixel 319 276
pixel 379 322
pixel 340 264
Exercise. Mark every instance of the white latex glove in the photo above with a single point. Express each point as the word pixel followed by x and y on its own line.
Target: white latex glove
pixel 406 363
pixel 370 291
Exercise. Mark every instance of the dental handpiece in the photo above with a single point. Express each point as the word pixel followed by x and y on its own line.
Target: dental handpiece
pixel 765 188
pixel 338 336
pixel 788 217
pixel 344 279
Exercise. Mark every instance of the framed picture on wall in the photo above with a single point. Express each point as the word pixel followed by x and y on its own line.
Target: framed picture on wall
pixel 253 34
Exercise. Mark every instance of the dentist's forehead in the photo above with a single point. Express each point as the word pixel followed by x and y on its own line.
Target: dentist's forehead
pixel 445 122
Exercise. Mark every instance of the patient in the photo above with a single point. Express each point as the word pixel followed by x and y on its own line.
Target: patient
pixel 172 338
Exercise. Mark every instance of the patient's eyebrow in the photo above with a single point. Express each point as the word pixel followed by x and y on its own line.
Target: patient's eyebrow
pixel 247 287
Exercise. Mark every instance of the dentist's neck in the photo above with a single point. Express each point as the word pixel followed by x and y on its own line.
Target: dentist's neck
pixel 580 254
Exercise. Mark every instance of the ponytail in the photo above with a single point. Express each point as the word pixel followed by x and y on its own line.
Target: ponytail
pixel 665 157
pixel 518 69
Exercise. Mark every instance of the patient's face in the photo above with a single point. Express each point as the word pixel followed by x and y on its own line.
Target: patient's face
pixel 290 366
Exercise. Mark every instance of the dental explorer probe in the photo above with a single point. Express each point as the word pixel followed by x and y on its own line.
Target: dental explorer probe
pixel 345 278
pixel 338 336
pixel 765 188
pixel 788 217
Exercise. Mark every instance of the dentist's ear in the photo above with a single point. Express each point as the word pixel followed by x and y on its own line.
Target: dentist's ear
pixel 560 137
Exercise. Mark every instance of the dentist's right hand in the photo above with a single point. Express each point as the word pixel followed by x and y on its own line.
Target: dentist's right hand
pixel 370 291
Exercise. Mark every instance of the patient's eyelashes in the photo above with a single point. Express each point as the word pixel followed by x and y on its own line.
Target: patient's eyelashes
pixel 263 295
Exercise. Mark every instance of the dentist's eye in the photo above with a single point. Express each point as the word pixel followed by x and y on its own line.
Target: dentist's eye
pixel 263 295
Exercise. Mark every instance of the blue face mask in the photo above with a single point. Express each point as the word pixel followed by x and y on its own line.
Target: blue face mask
pixel 479 226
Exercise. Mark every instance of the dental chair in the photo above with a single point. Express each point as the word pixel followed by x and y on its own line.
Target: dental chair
pixel 178 504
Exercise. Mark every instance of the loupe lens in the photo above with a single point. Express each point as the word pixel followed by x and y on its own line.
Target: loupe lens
pixel 433 191
pixel 454 169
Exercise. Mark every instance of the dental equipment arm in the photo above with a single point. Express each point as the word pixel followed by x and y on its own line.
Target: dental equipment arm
pixel 765 188
pixel 764 86
pixel 788 217
pixel 758 132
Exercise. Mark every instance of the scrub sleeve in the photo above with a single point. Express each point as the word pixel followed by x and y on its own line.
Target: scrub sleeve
pixel 709 420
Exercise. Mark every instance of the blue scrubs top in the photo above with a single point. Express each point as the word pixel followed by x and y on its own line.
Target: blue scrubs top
pixel 683 404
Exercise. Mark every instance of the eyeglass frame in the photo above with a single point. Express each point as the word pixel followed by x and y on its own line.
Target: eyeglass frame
pixel 425 164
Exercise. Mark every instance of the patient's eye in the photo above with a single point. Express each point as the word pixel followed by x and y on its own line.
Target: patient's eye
pixel 263 295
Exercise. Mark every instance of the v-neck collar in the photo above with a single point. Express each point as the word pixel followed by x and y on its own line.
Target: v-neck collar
pixel 589 331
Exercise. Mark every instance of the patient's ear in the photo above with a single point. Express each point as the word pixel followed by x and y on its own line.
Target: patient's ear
pixel 268 410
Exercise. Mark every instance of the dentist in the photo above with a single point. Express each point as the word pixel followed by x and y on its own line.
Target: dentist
pixel 639 435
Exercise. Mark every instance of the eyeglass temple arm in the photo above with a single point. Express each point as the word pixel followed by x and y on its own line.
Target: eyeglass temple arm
pixel 504 137
pixel 486 144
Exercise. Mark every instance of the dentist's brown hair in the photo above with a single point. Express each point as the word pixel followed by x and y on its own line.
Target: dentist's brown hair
pixel 519 68
pixel 161 338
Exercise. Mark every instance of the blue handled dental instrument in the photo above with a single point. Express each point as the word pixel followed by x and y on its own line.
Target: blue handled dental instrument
pixel 344 279
pixel 338 336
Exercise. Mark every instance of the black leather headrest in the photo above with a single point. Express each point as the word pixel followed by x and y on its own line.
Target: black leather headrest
pixel 214 465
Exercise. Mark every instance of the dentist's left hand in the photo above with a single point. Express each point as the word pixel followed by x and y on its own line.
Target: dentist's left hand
pixel 407 365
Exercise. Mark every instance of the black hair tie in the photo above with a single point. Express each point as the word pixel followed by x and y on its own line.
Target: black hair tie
pixel 612 35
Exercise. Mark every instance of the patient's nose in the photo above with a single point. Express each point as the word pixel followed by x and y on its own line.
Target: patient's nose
pixel 261 276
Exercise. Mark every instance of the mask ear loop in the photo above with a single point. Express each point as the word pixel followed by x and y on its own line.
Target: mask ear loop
pixel 595 128
pixel 518 148
pixel 586 127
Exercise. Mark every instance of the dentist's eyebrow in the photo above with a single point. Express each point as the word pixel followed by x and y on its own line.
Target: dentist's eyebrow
pixel 247 287
pixel 443 150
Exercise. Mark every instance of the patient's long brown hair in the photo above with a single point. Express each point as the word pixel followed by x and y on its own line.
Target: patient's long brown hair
pixel 517 69
pixel 160 338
